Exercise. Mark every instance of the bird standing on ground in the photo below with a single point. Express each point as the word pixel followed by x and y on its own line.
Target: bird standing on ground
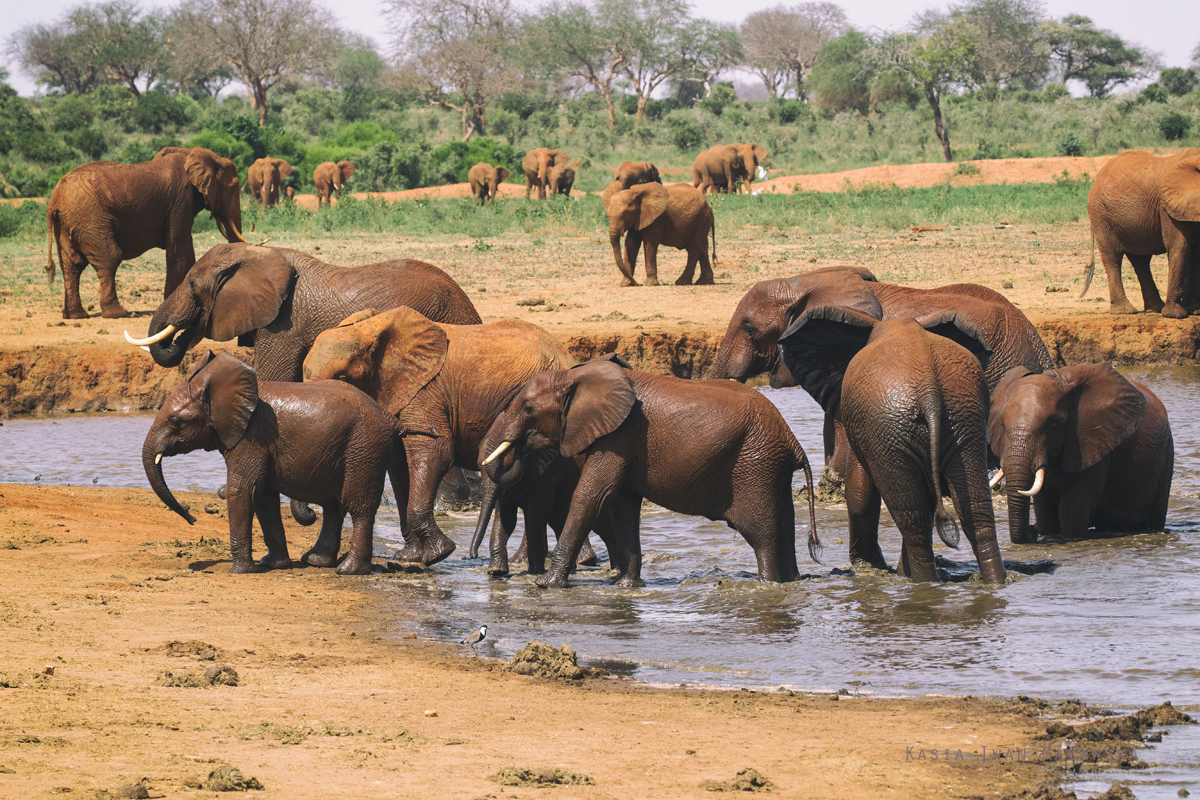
pixel 476 637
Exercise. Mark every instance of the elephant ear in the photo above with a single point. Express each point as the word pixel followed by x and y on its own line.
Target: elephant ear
pixel 409 352
pixel 1108 410
pixel 960 330
pixel 347 169
pixel 760 152
pixel 501 175
pixel 652 173
pixel 608 193
pixel 652 202
pixel 356 317
pixel 611 358
pixel 230 388
pixel 285 168
pixel 250 293
pixel 995 428
pixel 598 398
pixel 1181 190
pixel 202 168
pixel 818 347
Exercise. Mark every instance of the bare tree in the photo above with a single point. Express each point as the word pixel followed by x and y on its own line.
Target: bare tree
pixel 54 55
pixel 574 40
pixel 782 43
pixel 196 63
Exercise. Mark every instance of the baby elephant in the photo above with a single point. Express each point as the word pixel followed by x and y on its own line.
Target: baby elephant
pixel 323 442
pixel 1094 450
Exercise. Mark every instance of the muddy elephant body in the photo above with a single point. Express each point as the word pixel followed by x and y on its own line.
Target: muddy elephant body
pixel 708 448
pixel 537 164
pixel 452 379
pixel 560 179
pixel 1087 447
pixel 265 177
pixel 631 173
pixel 330 178
pixel 324 443
pixel 753 156
pixel 651 214
pixel 718 169
pixel 1140 206
pixel 485 181
pixel 104 213
pixel 913 401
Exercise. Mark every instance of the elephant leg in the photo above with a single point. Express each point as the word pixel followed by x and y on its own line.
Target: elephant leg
pixel 862 506
pixel 324 551
pixel 706 271
pixel 73 265
pixel 181 254
pixel 1178 279
pixel 689 272
pixel 1150 297
pixel 362 542
pixel 1045 509
pixel 503 524
pixel 966 480
pixel 633 243
pixel 535 538
pixel 1111 256
pixel 757 515
pixel 240 504
pixel 428 463
pixel 601 478
pixel 622 518
pixel 266 508
pixel 651 262
pixel 587 555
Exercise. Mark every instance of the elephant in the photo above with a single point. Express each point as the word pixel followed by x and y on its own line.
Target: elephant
pixel 485 181
pixel 325 442
pixel 264 178
pixel 560 179
pixel 330 178
pixel 710 448
pixel 676 216
pixel 631 173
pixel 290 192
pixel 537 164
pixel 1140 206
pixel 1094 449
pixel 104 213
pixel 753 155
pixel 719 169
pixel 454 379
pixel 911 396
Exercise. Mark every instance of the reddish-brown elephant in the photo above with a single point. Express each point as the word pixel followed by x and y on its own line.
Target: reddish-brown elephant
pixel 330 178
pixel 719 168
pixel 104 213
pixel 537 164
pixel 631 173
pixel 753 156
pixel 676 216
pixel 264 178
pixel 560 179
pixel 485 181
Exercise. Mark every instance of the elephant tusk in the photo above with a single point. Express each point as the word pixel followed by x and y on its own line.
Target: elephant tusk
pixel 165 333
pixel 999 477
pixel 143 347
pixel 158 458
pixel 233 227
pixel 1037 484
pixel 264 241
pixel 499 451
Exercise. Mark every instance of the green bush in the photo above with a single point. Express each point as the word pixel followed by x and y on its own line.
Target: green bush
pixel 1069 144
pixel 451 162
pixel 72 113
pixel 389 166
pixel 719 98
pixel 1153 94
pixel 787 111
pixel 1053 92
pixel 27 218
pixel 157 110
pixel 1178 81
pixel 88 141
pixel 1175 126
pixel 685 133
pixel 224 144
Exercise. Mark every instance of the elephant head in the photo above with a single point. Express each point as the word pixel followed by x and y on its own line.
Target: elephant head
pixel 1181 190
pixel 216 180
pixel 344 170
pixel 269 172
pixel 562 178
pixel 558 412
pixel 765 312
pixel 233 290
pixel 389 356
pixel 752 156
pixel 1061 422
pixel 631 173
pixel 209 412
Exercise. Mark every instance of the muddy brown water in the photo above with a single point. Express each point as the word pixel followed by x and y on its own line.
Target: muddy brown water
pixel 1112 620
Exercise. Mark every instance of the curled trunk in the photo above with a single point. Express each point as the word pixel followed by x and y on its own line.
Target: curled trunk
pixel 153 466
pixel 170 351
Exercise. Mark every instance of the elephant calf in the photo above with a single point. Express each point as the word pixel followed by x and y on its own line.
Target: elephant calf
pixel 485 181
pixel 325 443
pixel 1093 448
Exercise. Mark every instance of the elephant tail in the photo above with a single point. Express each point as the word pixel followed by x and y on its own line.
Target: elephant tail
pixel 53 227
pixel 713 230
pixel 815 548
pixel 1090 269
pixel 947 528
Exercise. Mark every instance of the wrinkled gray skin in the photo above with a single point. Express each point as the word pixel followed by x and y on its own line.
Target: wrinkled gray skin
pixel 323 442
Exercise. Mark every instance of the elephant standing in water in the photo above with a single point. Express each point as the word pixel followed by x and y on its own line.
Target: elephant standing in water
pixel 104 213
pixel 911 396
pixel 1089 447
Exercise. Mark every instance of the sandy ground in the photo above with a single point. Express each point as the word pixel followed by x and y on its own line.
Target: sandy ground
pixel 111 590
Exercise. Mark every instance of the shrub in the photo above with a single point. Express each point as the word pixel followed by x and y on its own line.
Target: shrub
pixel 1153 94
pixel 1069 144
pixel 1053 92
pixel 1178 81
pixel 223 144
pixel 1175 126
pixel 88 141
pixel 986 150
pixel 787 111
pixel 451 162
pixel 157 110
pixel 967 168
pixel 722 95
pixel 72 113
pixel 389 166
pixel 685 133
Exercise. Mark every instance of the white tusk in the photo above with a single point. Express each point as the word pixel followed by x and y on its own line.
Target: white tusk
pixel 147 349
pixel 158 459
pixel 1037 484
pixel 499 451
pixel 165 333
pixel 999 477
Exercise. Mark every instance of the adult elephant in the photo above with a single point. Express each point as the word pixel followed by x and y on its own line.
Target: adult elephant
pixel 330 178
pixel 560 179
pixel 753 156
pixel 709 448
pixel 719 169
pixel 1087 446
pixel 911 395
pixel 631 173
pixel 452 379
pixel 676 216
pixel 264 178
pixel 537 164
pixel 1140 206
pixel 104 213
pixel 485 181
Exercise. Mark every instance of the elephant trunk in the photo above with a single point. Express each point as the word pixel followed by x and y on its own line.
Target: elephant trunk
pixel 152 457
pixel 1018 475
pixel 487 504
pixel 169 351
pixel 508 464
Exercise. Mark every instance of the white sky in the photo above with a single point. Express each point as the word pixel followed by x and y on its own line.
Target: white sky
pixel 1168 27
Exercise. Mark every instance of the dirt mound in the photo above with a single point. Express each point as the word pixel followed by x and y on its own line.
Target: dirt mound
pixel 544 661
pixel 747 780
pixel 516 776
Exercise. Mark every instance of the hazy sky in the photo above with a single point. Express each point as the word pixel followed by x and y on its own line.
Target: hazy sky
pixel 1168 27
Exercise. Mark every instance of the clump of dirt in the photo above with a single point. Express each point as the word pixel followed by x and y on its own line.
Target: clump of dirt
pixel 1029 706
pixel 1043 793
pixel 748 780
pixel 517 776
pixel 293 734
pixel 128 791
pixel 218 675
pixel 830 489
pixel 545 661
pixel 190 648
pixel 1130 728
pixel 227 778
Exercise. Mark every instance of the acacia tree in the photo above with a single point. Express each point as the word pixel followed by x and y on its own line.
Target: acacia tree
pixel 1100 59
pixel 196 63
pixel 54 56
pixel 1010 44
pixel 782 42
pixel 655 39
pixel 572 39
pixel 718 48
pixel 122 42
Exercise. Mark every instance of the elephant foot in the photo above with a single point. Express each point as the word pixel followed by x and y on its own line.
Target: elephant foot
pixel 497 570
pixel 1122 307
pixel 587 556
pixel 1155 306
pixel 706 280
pixel 552 581
pixel 1175 311
pixel 652 281
pixel 354 565
pixel 629 582
pixel 274 561
pixel 314 558
pixel 242 568
pixel 113 312
pixel 628 282
pixel 75 313
pixel 427 553
pixel 536 569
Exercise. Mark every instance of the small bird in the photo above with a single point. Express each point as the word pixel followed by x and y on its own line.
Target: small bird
pixel 476 637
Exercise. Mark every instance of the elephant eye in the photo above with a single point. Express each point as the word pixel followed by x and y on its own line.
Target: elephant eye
pixel 175 421
pixel 1053 423
pixel 528 409
pixel 752 331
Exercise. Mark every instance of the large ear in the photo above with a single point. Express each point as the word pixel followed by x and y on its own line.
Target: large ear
pixel 357 316
pixel 202 168
pixel 760 152
pixel 960 330
pixel 995 431
pixel 250 292
pixel 1108 409
pixel 409 353
pixel 501 175
pixel 608 193
pixel 819 345
pixel 347 169
pixel 597 400
pixel 1181 190
pixel 230 395
pixel 652 202
pixel 653 173
pixel 285 168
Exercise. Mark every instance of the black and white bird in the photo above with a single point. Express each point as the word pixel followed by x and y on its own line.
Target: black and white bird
pixel 476 637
